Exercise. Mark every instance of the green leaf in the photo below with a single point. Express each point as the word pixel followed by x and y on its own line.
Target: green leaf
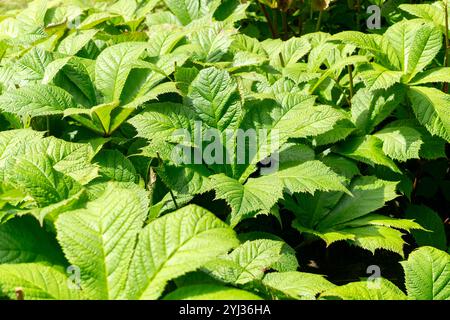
pixel 247 262
pixel 367 195
pixel 415 43
pixel 427 274
pixel 210 292
pixel 211 43
pixel 441 74
pixel 291 50
pixel 370 108
pixel 160 121
pixel 379 289
pixel 296 285
pixel 32 66
pixel 309 177
pixel 113 66
pixel 400 142
pixel 378 77
pixel 36 100
pixel 367 149
pixel 213 97
pixel 100 239
pixel 434 12
pixel 36 176
pixel 430 106
pixel 38 282
pixel 187 10
pixel 426 45
pixel 115 166
pixel 173 245
pixel 53 68
pixel 257 194
pixel 22 240
pixel 434 235
pixel 73 43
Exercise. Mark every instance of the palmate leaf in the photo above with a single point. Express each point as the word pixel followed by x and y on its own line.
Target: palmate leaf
pixel 427 274
pixel 427 277
pixel 292 115
pixel 257 194
pixel 367 195
pixel 261 194
pixel 210 292
pixel 38 282
pixel 350 217
pixel 291 51
pixel 76 78
pixel 430 106
pixel 160 121
pixel 100 239
pixel 376 44
pixel 173 245
pixel 53 68
pixel 36 100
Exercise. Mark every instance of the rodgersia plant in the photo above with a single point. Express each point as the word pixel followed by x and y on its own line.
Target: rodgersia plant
pixel 160 150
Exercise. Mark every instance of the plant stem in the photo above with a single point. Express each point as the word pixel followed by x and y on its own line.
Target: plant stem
pixel 275 23
pixel 281 60
pixel 269 23
pixel 350 76
pixel 319 21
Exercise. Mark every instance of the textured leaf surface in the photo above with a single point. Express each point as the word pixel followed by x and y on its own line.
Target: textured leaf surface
pixel 431 108
pixel 113 66
pixel 23 240
pixel 297 285
pixel 381 289
pixel 36 100
pixel 100 239
pixel 38 282
pixel 247 262
pixel 427 274
pixel 173 245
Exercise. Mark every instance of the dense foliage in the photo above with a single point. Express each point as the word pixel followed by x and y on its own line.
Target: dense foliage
pixel 207 149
